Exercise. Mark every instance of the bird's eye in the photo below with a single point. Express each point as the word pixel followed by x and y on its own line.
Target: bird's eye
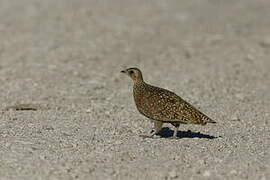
pixel 131 72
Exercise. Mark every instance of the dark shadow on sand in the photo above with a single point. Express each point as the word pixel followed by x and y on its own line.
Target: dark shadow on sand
pixel 168 133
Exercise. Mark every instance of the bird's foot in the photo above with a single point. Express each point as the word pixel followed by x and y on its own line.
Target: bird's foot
pixel 149 135
pixel 146 136
pixel 174 134
pixel 173 137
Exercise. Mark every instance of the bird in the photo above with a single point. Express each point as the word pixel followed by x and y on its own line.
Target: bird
pixel 163 106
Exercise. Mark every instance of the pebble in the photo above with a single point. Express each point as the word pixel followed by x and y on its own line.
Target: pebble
pixel 233 172
pixel 206 173
pixel 173 174
pixel 265 43
pixel 235 118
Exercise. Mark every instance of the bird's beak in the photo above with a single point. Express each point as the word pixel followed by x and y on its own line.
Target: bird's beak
pixel 123 71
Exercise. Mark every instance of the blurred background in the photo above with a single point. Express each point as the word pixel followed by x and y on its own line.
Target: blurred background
pixel 44 43
pixel 66 56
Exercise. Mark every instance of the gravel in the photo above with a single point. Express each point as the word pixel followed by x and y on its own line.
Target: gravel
pixel 64 57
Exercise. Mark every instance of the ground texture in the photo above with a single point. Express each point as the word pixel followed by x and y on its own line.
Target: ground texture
pixel 65 58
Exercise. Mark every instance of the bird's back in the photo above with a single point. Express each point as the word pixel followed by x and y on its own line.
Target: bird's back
pixel 164 105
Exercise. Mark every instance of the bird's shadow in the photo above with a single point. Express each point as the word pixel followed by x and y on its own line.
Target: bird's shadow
pixel 168 133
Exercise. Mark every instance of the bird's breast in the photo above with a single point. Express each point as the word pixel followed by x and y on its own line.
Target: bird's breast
pixel 142 101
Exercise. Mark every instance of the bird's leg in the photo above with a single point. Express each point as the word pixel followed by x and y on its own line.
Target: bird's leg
pixel 148 135
pixel 152 133
pixel 176 126
pixel 157 128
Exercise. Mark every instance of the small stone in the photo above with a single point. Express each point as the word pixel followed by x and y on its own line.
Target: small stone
pixel 265 43
pixel 233 172
pixel 206 173
pixel 23 107
pixel 188 53
pixel 235 118
pixel 173 174
pixel 240 96
pixel 250 57
pixel 48 128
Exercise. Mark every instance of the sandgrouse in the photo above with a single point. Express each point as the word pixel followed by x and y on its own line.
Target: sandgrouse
pixel 163 106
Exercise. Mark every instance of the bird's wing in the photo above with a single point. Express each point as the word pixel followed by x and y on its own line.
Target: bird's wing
pixel 162 104
pixel 191 114
pixel 172 108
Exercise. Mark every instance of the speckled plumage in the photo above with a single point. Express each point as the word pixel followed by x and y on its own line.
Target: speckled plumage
pixel 163 106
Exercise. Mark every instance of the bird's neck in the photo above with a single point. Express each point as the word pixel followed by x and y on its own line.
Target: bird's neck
pixel 138 82
pixel 139 86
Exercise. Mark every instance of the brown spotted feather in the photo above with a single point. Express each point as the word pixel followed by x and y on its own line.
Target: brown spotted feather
pixel 163 105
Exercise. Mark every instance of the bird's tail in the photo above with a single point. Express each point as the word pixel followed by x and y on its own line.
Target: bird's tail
pixel 207 120
pixel 211 121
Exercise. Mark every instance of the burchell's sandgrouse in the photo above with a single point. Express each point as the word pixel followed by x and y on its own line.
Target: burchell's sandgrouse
pixel 163 106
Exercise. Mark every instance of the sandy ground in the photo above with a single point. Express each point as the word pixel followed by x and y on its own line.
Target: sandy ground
pixel 65 56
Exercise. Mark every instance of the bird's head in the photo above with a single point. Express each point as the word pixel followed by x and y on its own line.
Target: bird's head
pixel 134 73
